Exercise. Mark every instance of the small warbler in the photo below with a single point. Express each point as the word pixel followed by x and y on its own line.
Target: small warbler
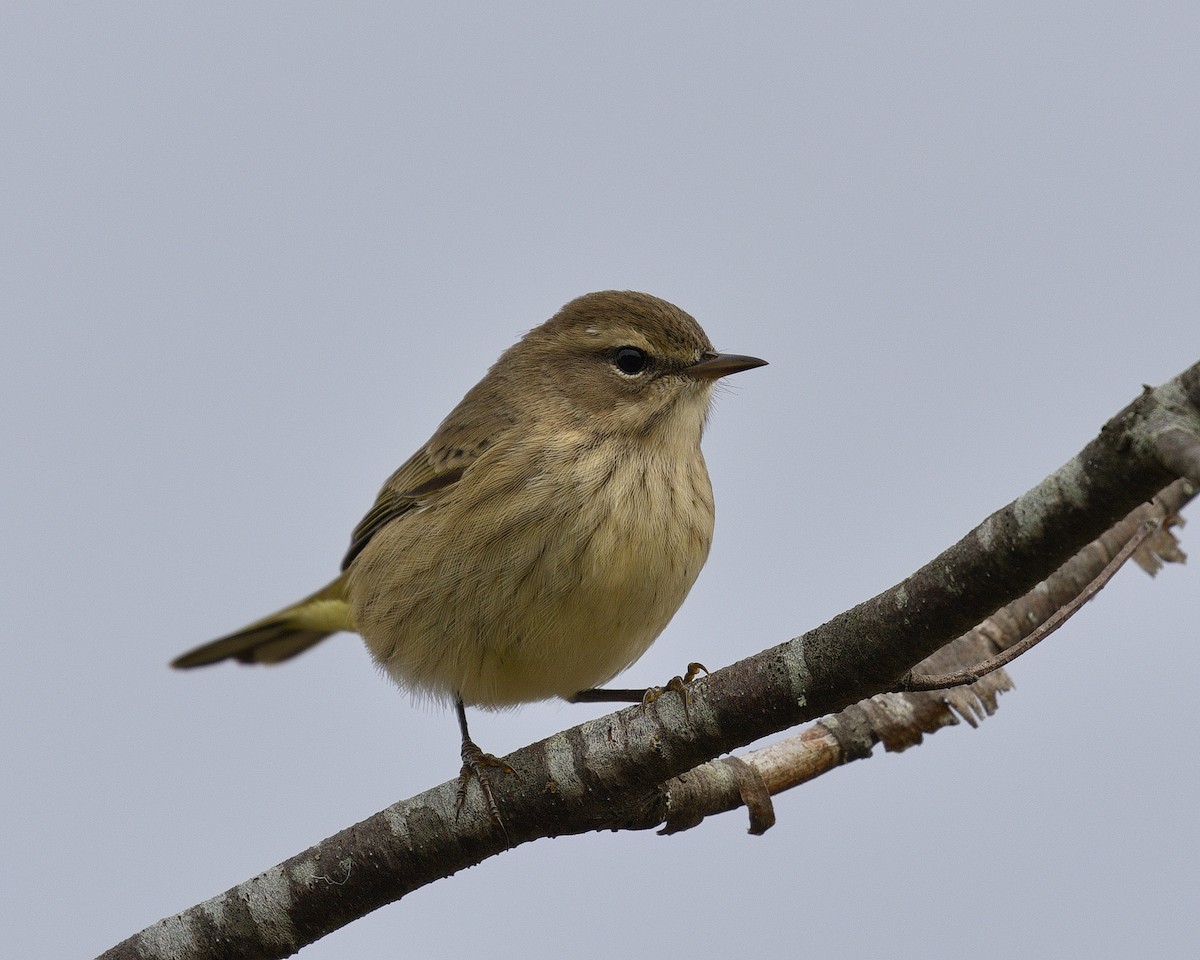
pixel 544 536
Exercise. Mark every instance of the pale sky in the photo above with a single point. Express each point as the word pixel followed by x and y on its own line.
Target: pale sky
pixel 253 253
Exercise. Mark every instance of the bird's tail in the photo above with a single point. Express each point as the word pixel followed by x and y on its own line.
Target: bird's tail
pixel 282 635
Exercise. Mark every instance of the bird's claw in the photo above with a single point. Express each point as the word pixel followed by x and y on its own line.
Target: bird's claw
pixel 475 762
pixel 679 685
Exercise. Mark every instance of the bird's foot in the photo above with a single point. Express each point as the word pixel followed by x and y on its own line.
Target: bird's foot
pixel 679 685
pixel 475 764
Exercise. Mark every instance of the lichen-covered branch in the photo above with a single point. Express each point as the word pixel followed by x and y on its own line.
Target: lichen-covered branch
pixel 610 773
pixel 915 681
pixel 901 720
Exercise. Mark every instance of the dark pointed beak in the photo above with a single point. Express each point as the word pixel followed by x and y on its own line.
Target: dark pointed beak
pixel 713 365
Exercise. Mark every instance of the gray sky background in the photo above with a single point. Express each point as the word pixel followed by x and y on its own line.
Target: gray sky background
pixel 252 254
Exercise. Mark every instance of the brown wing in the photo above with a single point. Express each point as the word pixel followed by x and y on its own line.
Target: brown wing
pixel 395 501
pixel 481 420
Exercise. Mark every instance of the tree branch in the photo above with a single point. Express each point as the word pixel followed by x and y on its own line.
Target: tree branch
pixel 611 773
pixel 900 720
pixel 945 681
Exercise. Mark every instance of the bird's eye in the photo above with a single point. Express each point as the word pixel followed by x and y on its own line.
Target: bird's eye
pixel 630 360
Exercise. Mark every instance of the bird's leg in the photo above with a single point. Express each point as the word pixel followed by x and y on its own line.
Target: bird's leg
pixel 680 685
pixel 474 761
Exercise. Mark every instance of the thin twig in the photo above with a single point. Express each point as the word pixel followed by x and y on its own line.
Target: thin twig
pixel 898 720
pixel 946 680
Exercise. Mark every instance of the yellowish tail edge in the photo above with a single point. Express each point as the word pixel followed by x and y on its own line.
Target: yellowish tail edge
pixel 282 635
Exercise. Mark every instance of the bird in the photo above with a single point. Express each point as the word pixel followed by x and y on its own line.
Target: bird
pixel 544 536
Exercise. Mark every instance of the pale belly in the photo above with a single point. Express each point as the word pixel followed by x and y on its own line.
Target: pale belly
pixel 523 598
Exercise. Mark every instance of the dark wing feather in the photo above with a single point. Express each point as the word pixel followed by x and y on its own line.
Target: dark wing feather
pixel 394 500
pixel 477 425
